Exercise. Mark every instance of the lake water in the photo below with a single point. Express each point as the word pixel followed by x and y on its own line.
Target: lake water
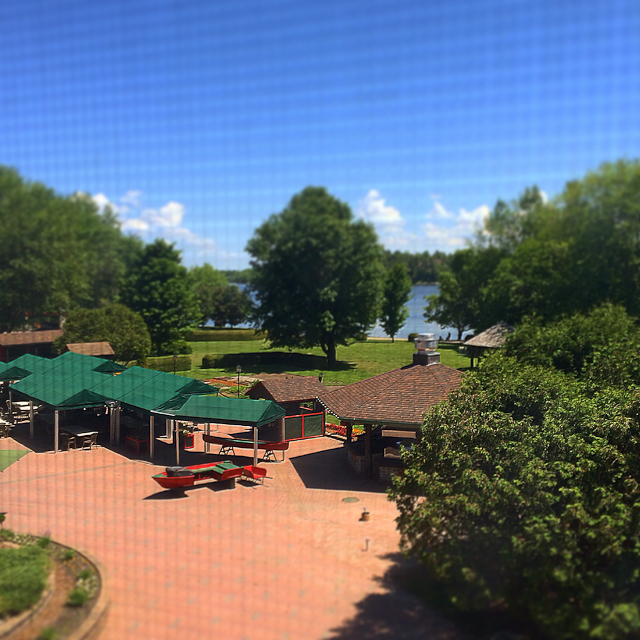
pixel 416 322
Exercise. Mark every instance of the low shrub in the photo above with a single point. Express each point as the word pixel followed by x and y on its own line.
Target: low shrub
pixel 78 597
pixel 166 363
pixel 49 633
pixel 211 362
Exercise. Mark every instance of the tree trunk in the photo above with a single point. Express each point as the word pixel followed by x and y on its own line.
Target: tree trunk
pixel 330 350
pixel 393 338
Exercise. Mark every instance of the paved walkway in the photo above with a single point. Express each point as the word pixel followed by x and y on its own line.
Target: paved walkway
pixel 287 560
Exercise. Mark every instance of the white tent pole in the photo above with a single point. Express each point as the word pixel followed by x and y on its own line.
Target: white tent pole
pixel 207 430
pixel 255 446
pixel 10 404
pixel 177 440
pixel 151 436
pixel 56 430
pixel 31 419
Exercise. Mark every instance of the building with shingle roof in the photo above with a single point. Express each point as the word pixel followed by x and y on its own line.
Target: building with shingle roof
pixel 288 391
pixel 391 407
pixel 96 349
pixel 37 343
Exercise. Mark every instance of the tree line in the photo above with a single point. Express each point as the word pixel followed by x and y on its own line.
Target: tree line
pixel 62 257
pixel 549 258
pixel 322 282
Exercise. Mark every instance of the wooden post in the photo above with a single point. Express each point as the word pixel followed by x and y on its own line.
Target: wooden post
pixel 282 433
pixel 151 436
pixel 31 419
pixel 349 431
pixel 368 453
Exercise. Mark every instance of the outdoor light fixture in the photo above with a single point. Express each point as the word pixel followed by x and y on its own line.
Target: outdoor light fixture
pixel 238 371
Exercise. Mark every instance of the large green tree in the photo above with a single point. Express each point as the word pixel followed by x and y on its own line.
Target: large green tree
pixel 207 281
pixel 57 253
pixel 231 306
pixel 160 290
pixel 459 301
pixel 123 329
pixel 317 274
pixel 396 294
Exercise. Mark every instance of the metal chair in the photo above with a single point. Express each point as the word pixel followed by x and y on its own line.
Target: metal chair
pixel 66 441
pixel 91 440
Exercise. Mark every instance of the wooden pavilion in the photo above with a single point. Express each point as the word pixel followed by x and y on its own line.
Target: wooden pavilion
pixel 391 407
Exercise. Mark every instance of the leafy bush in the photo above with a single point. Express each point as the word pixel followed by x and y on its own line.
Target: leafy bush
pixel 178 347
pixel 78 597
pixel 69 554
pixel 210 362
pixel 525 490
pixel 49 633
pixel 85 574
pixel 44 542
pixel 23 576
pixel 166 364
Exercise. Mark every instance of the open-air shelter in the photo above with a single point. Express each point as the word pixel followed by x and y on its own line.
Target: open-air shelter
pixel 74 381
pixel 394 402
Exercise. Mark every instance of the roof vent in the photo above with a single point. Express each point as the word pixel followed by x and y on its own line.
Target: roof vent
pixel 426 345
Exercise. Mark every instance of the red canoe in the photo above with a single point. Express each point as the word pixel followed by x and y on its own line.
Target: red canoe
pixel 181 477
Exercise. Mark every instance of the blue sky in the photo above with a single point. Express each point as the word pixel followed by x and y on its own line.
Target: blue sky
pixel 197 120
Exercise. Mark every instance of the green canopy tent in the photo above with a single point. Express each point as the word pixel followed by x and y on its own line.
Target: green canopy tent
pixel 201 408
pixel 145 390
pixel 65 386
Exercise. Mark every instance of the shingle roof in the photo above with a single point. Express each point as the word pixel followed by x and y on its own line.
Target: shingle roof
pixel 91 348
pixel 400 396
pixel 492 338
pixel 289 388
pixel 29 337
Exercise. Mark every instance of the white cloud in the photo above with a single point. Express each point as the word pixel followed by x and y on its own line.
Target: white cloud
pixel 440 229
pixel 388 223
pixel 163 222
pixel 446 230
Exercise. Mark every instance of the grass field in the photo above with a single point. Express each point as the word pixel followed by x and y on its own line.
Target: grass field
pixel 356 362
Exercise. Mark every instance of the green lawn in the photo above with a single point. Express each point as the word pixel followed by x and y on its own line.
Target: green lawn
pixel 23 576
pixel 356 362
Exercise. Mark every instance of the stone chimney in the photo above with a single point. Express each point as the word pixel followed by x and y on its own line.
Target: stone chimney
pixel 426 346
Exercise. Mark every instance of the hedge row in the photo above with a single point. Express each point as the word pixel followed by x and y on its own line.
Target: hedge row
pixel 165 363
pixel 224 335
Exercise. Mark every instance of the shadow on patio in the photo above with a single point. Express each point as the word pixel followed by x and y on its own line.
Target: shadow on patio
pixel 329 469
pixel 396 614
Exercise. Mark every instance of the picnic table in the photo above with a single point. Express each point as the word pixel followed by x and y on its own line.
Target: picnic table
pixel 181 477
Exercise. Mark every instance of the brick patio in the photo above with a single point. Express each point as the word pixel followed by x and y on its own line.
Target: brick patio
pixel 286 560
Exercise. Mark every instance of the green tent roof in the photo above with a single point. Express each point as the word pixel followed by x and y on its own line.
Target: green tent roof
pixel 72 380
pixel 32 363
pixel 110 367
pixel 13 373
pixel 223 410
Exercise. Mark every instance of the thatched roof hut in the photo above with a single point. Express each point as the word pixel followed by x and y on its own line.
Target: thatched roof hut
pixel 493 338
